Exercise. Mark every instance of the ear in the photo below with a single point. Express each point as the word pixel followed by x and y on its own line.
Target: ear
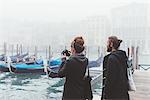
pixel 72 50
pixel 111 44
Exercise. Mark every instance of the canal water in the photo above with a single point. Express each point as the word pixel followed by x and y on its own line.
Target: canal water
pixel 38 87
pixel 33 86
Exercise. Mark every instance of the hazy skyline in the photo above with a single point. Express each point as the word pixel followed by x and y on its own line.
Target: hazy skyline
pixel 24 20
pixel 58 10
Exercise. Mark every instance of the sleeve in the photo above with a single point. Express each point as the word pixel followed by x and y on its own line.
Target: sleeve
pixel 62 71
pixel 65 69
pixel 110 75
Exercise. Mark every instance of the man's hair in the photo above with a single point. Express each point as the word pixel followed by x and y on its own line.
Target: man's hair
pixel 116 42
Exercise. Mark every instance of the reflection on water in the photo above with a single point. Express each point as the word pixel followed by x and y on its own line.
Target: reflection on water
pixel 31 87
pixel 28 86
pixel 34 86
pixel 40 87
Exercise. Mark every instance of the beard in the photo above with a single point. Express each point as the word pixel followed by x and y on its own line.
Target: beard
pixel 109 49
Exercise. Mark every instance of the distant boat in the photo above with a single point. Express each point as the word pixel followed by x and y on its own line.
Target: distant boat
pixel 18 58
pixel 2 57
pixel 14 59
pixel 39 68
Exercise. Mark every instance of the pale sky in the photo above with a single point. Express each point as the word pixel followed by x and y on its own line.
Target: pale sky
pixel 58 10
pixel 20 15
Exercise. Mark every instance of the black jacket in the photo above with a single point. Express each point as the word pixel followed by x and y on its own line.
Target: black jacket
pixel 115 81
pixel 74 70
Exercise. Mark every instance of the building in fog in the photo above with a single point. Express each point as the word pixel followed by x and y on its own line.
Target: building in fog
pixel 131 23
pixel 96 29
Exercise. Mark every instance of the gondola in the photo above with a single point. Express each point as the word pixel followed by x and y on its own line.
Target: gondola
pixel 39 67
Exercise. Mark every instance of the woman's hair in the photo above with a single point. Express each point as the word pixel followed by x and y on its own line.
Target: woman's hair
pixel 78 44
pixel 116 42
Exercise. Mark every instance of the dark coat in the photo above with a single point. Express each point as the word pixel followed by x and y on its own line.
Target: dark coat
pixel 115 81
pixel 74 70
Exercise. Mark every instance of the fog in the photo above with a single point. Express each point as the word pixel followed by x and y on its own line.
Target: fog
pixel 56 22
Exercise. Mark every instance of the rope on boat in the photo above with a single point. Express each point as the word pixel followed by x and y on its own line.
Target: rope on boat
pixel 9 64
pixel 45 63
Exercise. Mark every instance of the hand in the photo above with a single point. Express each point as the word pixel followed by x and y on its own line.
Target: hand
pixel 63 58
pixel 53 75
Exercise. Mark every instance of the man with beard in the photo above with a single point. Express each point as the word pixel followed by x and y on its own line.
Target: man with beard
pixel 115 81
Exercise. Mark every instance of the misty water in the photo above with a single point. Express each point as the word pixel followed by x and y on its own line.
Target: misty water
pixel 34 86
pixel 41 87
